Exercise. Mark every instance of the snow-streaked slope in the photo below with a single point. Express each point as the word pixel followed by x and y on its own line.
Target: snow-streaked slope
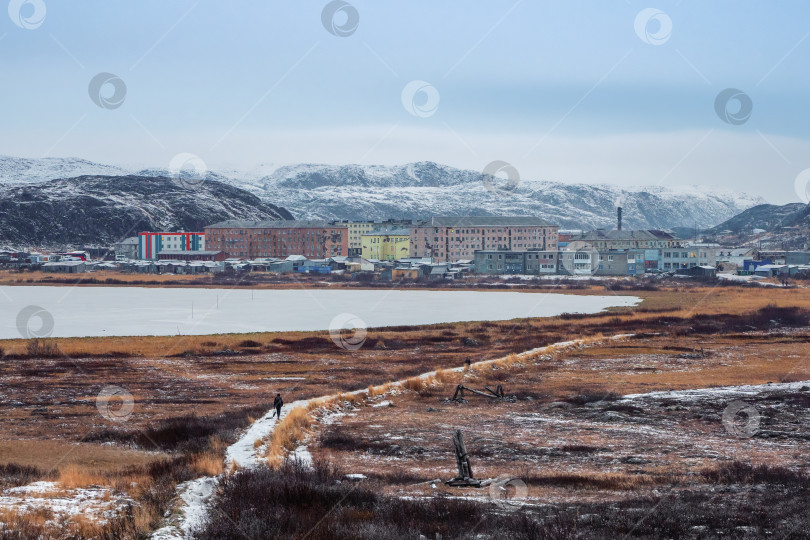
pixel 103 209
pixel 14 170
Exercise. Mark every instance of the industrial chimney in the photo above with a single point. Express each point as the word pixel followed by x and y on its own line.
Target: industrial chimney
pixel 619 211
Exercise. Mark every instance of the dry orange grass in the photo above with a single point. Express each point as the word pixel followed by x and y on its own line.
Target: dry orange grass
pixel 288 433
pixel 76 476
pixel 49 454
pixel 207 464
pixel 8 277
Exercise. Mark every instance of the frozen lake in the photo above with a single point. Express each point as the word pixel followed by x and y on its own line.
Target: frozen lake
pixel 33 311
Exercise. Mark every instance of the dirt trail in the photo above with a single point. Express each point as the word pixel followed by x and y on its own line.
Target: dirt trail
pixel 196 494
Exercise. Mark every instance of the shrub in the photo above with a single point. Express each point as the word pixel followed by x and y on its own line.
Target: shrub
pixel 42 349
pixel 738 472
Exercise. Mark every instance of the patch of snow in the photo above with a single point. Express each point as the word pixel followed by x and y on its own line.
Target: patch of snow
pixel 302 455
pixel 748 279
pixel 718 391
pixel 96 503
pixel 195 494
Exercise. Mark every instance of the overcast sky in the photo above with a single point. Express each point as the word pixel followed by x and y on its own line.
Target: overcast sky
pixel 621 92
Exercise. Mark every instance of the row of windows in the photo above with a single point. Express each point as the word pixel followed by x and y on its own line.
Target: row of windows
pixel 500 256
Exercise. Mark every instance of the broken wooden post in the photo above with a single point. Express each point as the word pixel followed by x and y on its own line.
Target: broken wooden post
pixel 465 474
pixel 498 392
pixel 463 459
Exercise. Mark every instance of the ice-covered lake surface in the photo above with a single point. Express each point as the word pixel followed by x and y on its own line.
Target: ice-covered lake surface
pixel 135 311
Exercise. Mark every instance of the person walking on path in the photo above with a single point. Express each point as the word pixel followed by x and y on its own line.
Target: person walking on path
pixel 277 404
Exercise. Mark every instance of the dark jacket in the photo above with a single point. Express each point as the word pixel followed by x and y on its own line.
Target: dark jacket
pixel 278 402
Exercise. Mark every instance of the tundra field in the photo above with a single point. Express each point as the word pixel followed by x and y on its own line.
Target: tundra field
pixel 684 416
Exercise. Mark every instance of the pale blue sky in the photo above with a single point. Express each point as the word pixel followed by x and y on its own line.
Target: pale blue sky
pixel 564 90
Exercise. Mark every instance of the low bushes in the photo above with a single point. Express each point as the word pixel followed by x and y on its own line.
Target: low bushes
pixel 42 349
pixel 293 501
pixel 738 472
pixel 13 475
pixel 189 433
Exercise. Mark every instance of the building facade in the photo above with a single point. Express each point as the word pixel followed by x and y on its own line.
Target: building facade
pixel 388 245
pixel 689 257
pixel 494 262
pixel 600 239
pixel 171 255
pixel 449 239
pixel 150 244
pixel 269 238
pixel 357 229
pixel 619 262
pixel 127 248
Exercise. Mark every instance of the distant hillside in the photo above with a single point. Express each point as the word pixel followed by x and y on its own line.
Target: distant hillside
pixel 800 218
pixel 767 217
pixel 104 209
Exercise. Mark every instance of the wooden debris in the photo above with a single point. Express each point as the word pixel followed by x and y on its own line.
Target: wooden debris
pixel 490 393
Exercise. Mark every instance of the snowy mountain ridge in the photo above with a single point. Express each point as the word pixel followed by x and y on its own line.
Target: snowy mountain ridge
pixel 423 189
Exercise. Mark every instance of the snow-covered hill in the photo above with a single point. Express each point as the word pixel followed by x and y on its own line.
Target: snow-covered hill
pixel 420 190
pixel 99 210
pixel 14 170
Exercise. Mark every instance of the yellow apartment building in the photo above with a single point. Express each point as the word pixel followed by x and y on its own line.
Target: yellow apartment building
pixel 389 245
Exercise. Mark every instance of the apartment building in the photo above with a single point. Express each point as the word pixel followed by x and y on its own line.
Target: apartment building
pixel 689 257
pixel 269 238
pixel 386 245
pixel 357 229
pixel 449 239
pixel 516 262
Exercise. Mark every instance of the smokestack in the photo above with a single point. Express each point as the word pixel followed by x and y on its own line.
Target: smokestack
pixel 620 217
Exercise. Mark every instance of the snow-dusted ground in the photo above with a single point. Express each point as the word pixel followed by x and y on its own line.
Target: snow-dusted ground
pixel 242 452
pixel 759 280
pixel 718 392
pixel 133 311
pixel 96 503
pixel 196 494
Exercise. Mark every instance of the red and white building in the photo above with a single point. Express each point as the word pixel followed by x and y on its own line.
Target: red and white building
pixel 150 244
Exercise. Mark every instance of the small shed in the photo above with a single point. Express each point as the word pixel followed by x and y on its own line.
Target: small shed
pixel 65 267
pixel 698 271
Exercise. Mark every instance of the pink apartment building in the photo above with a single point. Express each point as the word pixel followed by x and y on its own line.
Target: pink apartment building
pixel 449 239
